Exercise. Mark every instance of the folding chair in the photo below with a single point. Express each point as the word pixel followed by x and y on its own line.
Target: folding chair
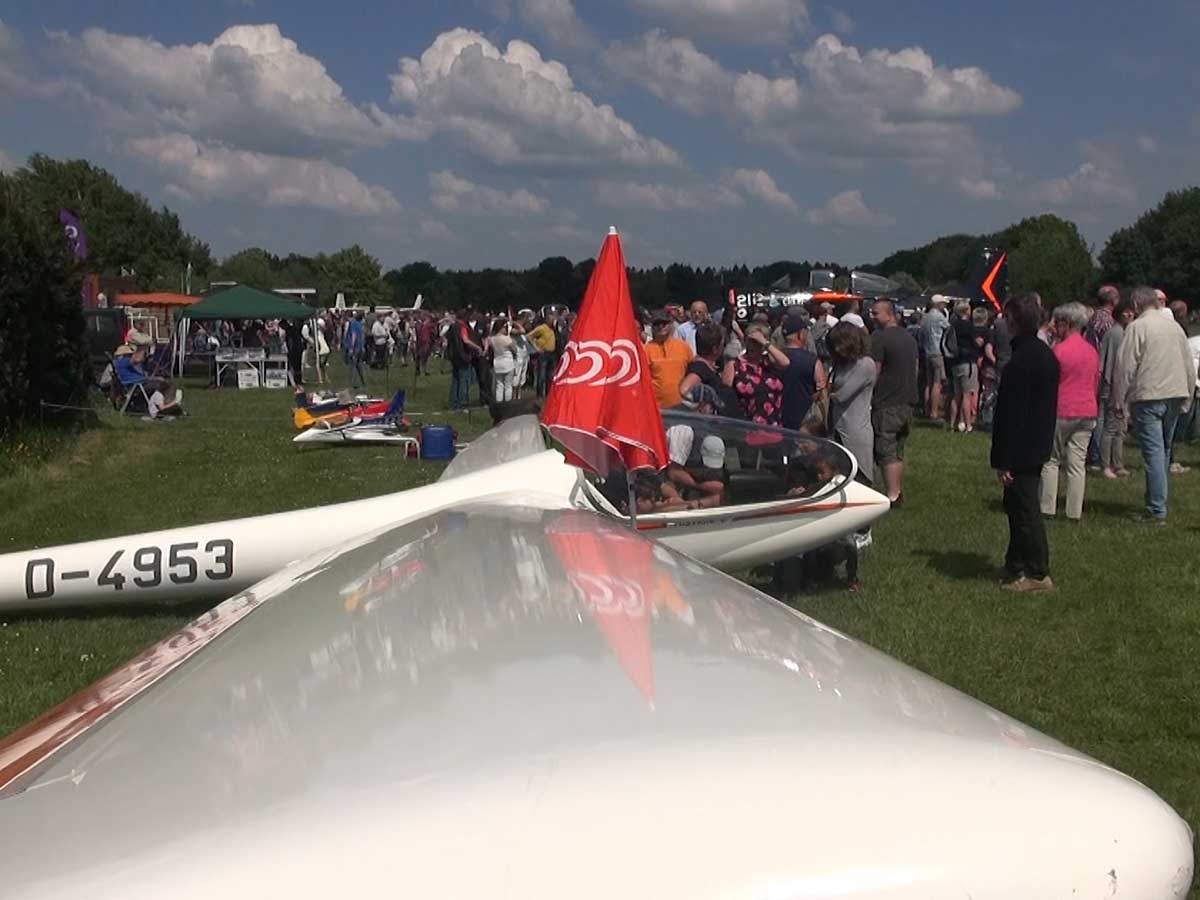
pixel 125 395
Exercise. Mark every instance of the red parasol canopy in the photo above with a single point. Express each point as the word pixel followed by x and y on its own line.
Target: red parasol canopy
pixel 609 570
pixel 601 406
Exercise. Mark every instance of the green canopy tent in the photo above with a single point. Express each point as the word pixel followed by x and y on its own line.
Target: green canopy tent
pixel 240 302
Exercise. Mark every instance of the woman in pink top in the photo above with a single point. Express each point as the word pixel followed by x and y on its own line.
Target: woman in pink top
pixel 1078 384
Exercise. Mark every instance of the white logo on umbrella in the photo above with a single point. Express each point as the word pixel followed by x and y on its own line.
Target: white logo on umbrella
pixel 609 594
pixel 598 357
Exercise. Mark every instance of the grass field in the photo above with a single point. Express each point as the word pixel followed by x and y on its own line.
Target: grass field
pixel 1108 663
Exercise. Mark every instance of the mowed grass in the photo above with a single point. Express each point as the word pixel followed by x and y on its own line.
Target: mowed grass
pixel 1108 663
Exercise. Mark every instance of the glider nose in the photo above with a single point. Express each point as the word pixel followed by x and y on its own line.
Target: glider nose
pixel 1080 829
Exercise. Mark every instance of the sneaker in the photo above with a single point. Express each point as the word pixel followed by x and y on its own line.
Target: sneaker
pixel 1035 585
pixel 1123 473
pixel 1110 474
pixel 1178 469
pixel 962 426
pixel 1095 467
pixel 1143 518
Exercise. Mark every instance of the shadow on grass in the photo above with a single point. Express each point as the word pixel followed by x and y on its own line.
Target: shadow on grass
pixel 1112 508
pixel 962 566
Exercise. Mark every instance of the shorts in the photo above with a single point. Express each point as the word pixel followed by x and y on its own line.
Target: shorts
pixel 891 424
pixel 966 378
pixel 935 368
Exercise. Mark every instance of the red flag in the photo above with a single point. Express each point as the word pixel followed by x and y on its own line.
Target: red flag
pixel 610 571
pixel 601 406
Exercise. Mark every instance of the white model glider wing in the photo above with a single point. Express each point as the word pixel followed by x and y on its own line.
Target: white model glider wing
pixel 495 702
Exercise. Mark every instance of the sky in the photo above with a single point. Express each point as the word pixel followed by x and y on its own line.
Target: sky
pixel 476 133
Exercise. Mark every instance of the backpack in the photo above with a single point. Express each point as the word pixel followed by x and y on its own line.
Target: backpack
pixel 820 335
pixel 456 351
pixel 950 342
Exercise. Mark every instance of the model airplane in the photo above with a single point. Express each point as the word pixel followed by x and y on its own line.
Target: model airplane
pixel 787 493
pixel 362 427
pixel 335 410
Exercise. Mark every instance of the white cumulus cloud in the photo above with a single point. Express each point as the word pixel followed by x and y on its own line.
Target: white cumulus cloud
pixel 673 70
pixel 1100 178
pixel 558 21
pixel 978 188
pixel 251 87
pixel 758 183
pixel 453 194
pixel 696 196
pixel 211 171
pixel 842 21
pixel 516 109
pixel 838 103
pixel 740 21
pixel 848 210
pixel 907 83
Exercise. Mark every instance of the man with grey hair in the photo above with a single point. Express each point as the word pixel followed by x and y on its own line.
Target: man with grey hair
pixel 697 316
pixel 1076 410
pixel 1156 381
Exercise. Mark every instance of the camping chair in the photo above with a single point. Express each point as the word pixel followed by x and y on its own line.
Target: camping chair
pixel 128 398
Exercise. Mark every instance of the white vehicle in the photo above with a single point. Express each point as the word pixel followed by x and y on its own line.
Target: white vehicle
pixel 505 694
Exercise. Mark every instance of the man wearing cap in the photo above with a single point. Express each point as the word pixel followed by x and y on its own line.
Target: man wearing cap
pixel 669 358
pixel 852 315
pixel 804 378
pixel 826 314
pixel 697 492
pixel 933 326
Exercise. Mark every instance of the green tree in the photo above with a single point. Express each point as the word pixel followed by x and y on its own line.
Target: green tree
pixel 253 266
pixel 908 285
pixel 408 281
pixel 356 272
pixel 1048 255
pixel 1161 248
pixel 42 353
pixel 123 231
pixel 1127 258
pixel 553 281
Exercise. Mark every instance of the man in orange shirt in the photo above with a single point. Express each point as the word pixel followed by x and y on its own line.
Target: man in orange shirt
pixel 669 358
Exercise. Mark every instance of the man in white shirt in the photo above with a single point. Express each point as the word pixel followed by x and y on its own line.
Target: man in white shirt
pixel 826 310
pixel 697 316
pixel 1164 308
pixel 853 317
pixel 379 337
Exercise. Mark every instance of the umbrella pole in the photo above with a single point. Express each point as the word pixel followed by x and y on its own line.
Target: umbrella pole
pixel 629 480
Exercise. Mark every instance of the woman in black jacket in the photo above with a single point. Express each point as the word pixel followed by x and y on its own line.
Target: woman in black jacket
pixel 1022 438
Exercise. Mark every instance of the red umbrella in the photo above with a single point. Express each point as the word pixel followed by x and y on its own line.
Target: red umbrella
pixel 601 406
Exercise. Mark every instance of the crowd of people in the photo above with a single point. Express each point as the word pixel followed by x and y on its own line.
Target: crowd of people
pixel 1076 381
pixel 1060 390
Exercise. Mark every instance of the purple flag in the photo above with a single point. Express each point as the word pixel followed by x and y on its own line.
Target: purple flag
pixel 76 237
